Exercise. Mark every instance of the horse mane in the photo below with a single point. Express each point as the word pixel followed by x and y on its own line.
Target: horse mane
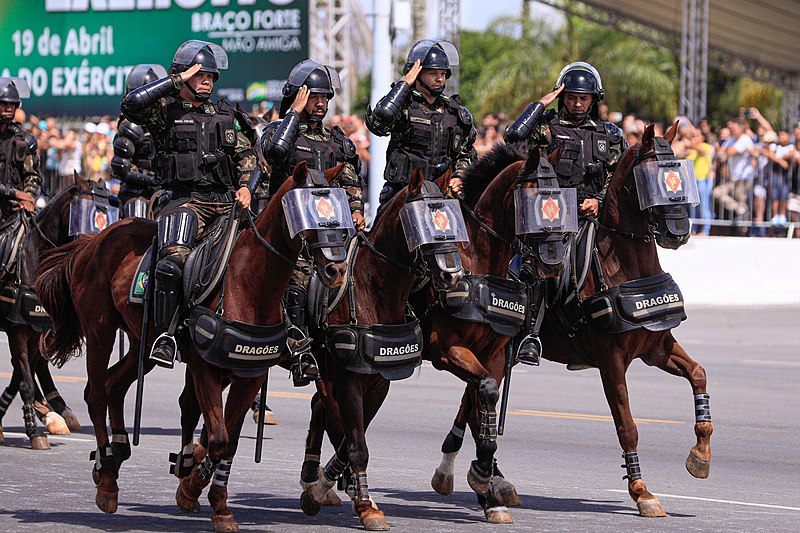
pixel 480 175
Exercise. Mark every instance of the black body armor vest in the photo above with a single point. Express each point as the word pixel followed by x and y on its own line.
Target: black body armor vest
pixel 196 149
pixel 431 141
pixel 318 155
pixel 13 150
pixel 583 157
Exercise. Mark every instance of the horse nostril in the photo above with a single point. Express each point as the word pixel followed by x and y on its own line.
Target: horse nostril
pixel 331 270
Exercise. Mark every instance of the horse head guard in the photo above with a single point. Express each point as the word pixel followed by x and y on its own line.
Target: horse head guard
pixel 545 215
pixel 433 226
pixel 665 188
pixel 322 210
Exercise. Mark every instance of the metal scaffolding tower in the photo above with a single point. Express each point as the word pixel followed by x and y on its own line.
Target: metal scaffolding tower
pixel 449 29
pixel 790 109
pixel 694 59
pixel 340 37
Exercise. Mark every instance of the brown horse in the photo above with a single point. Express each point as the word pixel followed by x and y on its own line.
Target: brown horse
pixel 49 228
pixel 626 242
pixel 383 276
pixel 85 285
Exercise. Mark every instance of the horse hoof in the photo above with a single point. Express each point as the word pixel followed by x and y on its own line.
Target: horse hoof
pixel 699 468
pixel 650 508
pixel 442 483
pixel 479 484
pixel 308 504
pixel 71 420
pixel 374 520
pixel 504 492
pixel 269 418
pixel 55 424
pixel 498 515
pixel 40 443
pixel 224 523
pixel 186 503
pixel 106 501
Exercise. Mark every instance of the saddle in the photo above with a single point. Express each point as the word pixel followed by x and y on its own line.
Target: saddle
pixel 204 268
pixel 12 233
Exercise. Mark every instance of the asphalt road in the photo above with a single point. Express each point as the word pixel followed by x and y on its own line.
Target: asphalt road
pixel 560 449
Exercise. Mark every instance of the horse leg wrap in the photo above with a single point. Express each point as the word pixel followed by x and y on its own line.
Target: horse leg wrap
pixel 206 468
pixel 222 473
pixel 181 464
pixel 453 440
pixel 362 489
pixel 334 469
pixel 631 466
pixel 310 469
pixel 56 401
pixel 488 425
pixel 29 416
pixel 104 459
pixel 702 411
pixel 120 446
pixel 5 401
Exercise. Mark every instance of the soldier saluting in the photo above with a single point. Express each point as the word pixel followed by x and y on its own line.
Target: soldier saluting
pixel 301 136
pixel 202 162
pixel 428 130
pixel 19 158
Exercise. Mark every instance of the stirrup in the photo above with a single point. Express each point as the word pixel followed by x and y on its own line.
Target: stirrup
pixel 304 370
pixel 529 351
pixel 164 349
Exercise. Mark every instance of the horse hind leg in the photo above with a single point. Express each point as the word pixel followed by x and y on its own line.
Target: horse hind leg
pixel 18 345
pixel 698 463
pixel 53 397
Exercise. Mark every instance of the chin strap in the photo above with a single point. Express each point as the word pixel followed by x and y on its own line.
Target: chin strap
pixel 204 97
pixel 434 92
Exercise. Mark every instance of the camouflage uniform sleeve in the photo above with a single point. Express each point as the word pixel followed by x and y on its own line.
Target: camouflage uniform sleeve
pixel 31 178
pixel 245 159
pixel 617 147
pixel 351 183
pixel 466 155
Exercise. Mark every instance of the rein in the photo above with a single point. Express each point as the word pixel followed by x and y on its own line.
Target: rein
pixel 410 269
pixel 627 234
pixel 267 245
pixel 522 251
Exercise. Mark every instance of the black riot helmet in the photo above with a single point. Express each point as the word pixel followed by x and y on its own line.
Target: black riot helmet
pixel 433 54
pixel 142 75
pixel 582 78
pixel 13 90
pixel 319 78
pixel 211 56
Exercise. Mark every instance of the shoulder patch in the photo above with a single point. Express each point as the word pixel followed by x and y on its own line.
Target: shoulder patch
pixel 349 147
pixel 465 116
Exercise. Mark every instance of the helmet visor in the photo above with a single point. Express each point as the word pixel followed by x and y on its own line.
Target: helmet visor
pixel 187 51
pixel 23 89
pixel 300 72
pixel 432 222
pixel 421 49
pixel 666 183
pixel 545 210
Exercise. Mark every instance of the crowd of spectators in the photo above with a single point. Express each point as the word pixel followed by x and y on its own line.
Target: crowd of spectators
pixel 748 173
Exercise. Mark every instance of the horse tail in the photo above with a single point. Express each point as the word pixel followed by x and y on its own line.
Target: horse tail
pixel 63 341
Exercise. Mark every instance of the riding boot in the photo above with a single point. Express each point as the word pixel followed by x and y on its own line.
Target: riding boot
pixel 529 351
pixel 303 366
pixel 168 293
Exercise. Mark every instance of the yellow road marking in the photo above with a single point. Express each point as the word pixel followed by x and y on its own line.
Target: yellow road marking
pixel 521 412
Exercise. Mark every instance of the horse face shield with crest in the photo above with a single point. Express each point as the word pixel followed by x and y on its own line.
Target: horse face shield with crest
pixel 322 209
pixel 433 226
pixel 90 212
pixel 666 187
pixel 544 215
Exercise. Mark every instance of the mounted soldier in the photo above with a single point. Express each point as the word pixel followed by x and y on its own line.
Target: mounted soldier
pixel 19 160
pixel 301 136
pixel 134 151
pixel 427 129
pixel 588 148
pixel 203 161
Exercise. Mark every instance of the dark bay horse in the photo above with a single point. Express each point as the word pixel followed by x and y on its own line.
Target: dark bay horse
pixel 49 228
pixel 383 276
pixel 85 285
pixel 626 241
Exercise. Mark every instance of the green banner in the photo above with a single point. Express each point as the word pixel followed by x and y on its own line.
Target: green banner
pixel 75 54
